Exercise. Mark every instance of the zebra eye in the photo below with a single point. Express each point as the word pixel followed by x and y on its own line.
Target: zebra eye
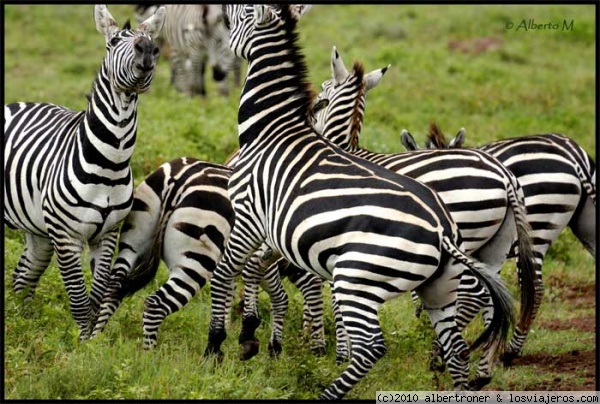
pixel 114 41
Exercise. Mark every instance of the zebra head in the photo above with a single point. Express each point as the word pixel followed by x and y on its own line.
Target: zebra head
pixel 131 54
pixel 435 139
pixel 341 119
pixel 243 20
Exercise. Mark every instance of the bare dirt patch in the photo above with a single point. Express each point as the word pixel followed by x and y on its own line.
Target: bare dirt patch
pixel 580 363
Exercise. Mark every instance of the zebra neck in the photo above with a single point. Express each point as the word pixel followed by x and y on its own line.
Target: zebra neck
pixel 276 92
pixel 110 123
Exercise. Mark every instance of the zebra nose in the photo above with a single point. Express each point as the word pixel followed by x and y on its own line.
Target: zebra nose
pixel 218 73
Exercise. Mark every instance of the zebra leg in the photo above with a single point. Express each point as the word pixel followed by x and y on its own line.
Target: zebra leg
pixel 271 283
pixel 342 347
pixel 439 298
pixel 366 338
pixel 170 297
pixel 101 255
pixel 238 250
pixel 254 272
pixel 311 287
pixel 515 346
pixel 486 362
pixel 68 253
pixel 33 262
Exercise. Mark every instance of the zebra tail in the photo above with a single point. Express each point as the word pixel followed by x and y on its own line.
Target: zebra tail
pixel 526 259
pixel 503 317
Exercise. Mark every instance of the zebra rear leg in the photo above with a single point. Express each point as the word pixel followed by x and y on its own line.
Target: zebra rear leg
pixel 179 289
pixel 367 343
pixel 517 341
pixel 33 262
pixel 583 225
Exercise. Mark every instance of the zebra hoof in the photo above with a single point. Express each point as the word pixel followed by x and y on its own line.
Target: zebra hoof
pixel 275 349
pixel 210 351
pixel 249 349
pixel 507 358
pixel 479 382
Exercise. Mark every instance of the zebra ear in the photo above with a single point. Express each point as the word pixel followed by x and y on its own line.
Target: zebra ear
pixel 372 79
pixel 105 23
pixel 338 70
pixel 153 25
pixel 408 141
pixel 459 140
pixel 298 10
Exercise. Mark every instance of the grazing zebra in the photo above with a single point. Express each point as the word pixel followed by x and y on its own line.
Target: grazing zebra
pixel 196 37
pixel 332 213
pixel 182 214
pixel 482 196
pixel 67 179
pixel 559 183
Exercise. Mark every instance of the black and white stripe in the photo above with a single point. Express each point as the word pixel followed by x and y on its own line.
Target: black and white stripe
pixel 67 179
pixel 558 179
pixel 373 232
pixel 181 214
pixel 479 192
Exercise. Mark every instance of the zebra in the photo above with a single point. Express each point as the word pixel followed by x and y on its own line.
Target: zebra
pixel 182 214
pixel 559 183
pixel 196 36
pixel 332 213
pixel 67 179
pixel 488 223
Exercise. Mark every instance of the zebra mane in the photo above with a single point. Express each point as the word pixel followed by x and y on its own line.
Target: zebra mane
pixel 435 137
pixel 305 88
pixel 127 25
pixel 357 114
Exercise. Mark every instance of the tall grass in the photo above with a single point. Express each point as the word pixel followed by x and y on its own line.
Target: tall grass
pixel 535 81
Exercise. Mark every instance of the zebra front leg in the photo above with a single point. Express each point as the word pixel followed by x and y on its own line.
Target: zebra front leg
pixel 366 338
pixel 101 255
pixel 68 253
pixel 33 262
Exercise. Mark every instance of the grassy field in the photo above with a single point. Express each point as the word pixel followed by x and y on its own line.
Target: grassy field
pixel 530 81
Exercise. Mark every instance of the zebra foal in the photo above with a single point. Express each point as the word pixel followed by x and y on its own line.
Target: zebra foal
pixel 67 179
pixel 332 213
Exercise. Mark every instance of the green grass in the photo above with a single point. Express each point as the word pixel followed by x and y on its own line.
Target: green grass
pixel 537 81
